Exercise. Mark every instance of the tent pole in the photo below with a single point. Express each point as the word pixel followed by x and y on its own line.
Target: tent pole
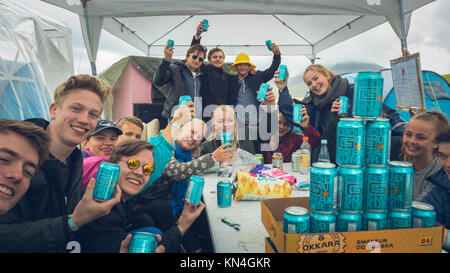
pixel 93 69
pixel 403 40
pixel 179 24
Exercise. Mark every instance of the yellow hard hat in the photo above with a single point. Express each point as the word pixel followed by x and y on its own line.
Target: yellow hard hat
pixel 242 58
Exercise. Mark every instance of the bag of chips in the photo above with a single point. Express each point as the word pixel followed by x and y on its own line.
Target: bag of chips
pixel 258 187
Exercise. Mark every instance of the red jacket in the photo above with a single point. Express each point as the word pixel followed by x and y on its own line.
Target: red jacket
pixel 291 142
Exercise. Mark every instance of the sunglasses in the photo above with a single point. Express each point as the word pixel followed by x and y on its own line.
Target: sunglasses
pixel 195 57
pixel 133 164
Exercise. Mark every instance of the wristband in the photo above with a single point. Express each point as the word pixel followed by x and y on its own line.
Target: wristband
pixel 213 158
pixel 71 223
pixel 174 125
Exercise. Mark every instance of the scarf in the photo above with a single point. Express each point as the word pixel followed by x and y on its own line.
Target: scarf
pixel 338 88
pixel 179 186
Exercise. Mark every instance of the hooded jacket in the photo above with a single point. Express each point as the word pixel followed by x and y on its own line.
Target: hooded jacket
pixel 38 223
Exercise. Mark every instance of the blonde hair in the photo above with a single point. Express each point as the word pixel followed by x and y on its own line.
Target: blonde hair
pixel 228 109
pixel 84 81
pixel 330 75
pixel 435 118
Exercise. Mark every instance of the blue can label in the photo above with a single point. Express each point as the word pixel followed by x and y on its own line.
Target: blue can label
pixel 423 215
pixel 368 95
pixel 170 43
pixel 322 223
pixel 269 45
pixel 350 189
pixel 350 142
pixel 296 220
pixel 282 70
pixel 378 142
pixel 106 181
pixel 205 24
pixel 184 99
pixel 323 187
pixel 374 220
pixel 399 219
pixel 143 242
pixel 297 115
pixel 347 222
pixel 263 88
pixel 226 138
pixel 401 183
pixel 344 106
pixel 376 188
pixel 223 194
pixel 194 190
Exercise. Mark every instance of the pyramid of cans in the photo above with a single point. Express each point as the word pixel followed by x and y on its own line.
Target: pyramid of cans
pixel 365 191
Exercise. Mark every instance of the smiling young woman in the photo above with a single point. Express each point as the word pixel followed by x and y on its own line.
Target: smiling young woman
pixel 420 147
pixel 325 88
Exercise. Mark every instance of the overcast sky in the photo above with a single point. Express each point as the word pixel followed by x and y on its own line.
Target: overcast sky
pixel 428 35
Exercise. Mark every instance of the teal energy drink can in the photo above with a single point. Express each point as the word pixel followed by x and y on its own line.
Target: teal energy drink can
pixel 227 138
pixel 378 142
pixel 263 88
pixel 350 188
pixel 323 222
pixel 350 142
pixel 401 185
pixel 143 242
pixel 106 181
pixel 184 99
pixel 296 220
pixel 224 194
pixel 170 43
pixel 348 221
pixel 269 45
pixel 323 187
pixel 194 190
pixel 282 70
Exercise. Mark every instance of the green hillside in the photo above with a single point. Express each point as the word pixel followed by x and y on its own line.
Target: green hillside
pixel 447 77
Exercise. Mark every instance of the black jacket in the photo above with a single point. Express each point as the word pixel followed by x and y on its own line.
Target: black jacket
pixel 215 85
pixel 172 75
pixel 38 223
pixel 105 234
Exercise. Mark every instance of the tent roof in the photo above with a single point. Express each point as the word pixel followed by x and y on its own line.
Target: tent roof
pixel 299 27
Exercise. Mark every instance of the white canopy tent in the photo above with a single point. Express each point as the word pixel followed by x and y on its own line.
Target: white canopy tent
pixel 298 27
pixel 35 57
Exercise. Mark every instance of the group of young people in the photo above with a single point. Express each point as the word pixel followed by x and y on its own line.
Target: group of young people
pixel 47 181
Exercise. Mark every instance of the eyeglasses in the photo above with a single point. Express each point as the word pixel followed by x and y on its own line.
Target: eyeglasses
pixel 195 57
pixel 133 164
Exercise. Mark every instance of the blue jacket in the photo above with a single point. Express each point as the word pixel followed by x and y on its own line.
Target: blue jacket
pixel 439 197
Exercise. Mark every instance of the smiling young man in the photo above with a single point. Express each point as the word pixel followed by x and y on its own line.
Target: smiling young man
pixel 23 148
pixel 182 77
pixel 52 209
pixel 132 128
pixel 215 80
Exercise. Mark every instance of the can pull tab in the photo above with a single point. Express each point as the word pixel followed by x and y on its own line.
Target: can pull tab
pixel 236 226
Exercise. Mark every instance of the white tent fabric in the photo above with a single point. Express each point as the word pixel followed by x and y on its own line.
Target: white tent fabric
pixel 299 27
pixel 35 56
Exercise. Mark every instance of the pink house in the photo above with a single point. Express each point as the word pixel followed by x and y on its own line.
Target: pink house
pixel 132 88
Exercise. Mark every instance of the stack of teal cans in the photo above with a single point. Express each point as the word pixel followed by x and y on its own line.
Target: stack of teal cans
pixel 374 193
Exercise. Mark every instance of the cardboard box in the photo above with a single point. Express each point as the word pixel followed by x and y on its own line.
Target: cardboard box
pixel 269 246
pixel 417 240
